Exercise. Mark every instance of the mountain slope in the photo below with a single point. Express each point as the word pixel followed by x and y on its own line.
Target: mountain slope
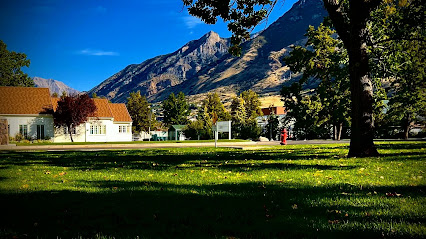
pixel 54 86
pixel 204 65
pixel 260 68
pixel 154 75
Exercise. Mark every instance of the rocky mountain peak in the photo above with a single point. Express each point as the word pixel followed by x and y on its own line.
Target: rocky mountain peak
pixel 54 86
pixel 204 65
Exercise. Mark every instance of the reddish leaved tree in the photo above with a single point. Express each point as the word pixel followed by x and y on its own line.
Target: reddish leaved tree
pixel 73 111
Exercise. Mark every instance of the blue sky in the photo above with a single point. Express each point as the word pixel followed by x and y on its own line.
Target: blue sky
pixel 82 43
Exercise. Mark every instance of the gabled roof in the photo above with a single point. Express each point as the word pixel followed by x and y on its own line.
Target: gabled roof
pixel 24 100
pixel 32 100
pixel 178 127
pixel 120 113
pixel 102 109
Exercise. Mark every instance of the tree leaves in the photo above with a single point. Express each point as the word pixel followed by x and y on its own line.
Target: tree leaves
pixel 10 68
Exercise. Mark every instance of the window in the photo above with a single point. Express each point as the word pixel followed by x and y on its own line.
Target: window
pixel 97 129
pixel 123 129
pixel 23 130
pixel 40 131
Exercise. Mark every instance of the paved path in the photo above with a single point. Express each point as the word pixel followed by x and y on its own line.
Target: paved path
pixel 159 145
pixel 168 145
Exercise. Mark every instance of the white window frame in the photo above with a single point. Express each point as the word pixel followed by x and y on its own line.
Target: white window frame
pixel 123 129
pixel 97 129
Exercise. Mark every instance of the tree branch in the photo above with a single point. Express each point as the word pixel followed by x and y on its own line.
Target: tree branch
pixel 397 39
pixel 333 8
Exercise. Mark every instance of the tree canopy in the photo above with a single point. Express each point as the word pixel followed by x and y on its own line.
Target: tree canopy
pixel 351 20
pixel 73 111
pixel 175 109
pixel 140 111
pixel 325 59
pixel 10 68
pixel 245 109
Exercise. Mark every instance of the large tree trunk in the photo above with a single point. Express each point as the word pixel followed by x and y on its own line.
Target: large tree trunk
pixel 362 129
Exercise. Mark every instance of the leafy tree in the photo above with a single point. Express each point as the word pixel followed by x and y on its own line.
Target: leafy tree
pixel 140 111
pixel 398 54
pixel 350 19
pixel 251 104
pixel 176 110
pixel 73 111
pixel 244 111
pixel 197 130
pixel 202 127
pixel 55 95
pixel 305 112
pixel 212 105
pixel 271 128
pixel 238 116
pixel 328 62
pixel 10 68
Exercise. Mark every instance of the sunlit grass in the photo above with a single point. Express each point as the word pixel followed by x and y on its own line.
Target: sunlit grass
pixel 47 142
pixel 280 191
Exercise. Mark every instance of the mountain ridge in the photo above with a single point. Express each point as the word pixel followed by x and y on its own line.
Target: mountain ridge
pixel 204 65
pixel 54 86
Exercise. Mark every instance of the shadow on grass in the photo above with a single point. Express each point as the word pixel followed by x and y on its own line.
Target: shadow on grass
pixel 402 145
pixel 165 159
pixel 161 210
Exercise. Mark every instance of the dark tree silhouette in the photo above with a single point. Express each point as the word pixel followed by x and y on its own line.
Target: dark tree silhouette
pixel 73 111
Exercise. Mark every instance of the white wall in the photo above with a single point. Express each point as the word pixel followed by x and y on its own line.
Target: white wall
pixel 57 134
pixel 32 122
pixel 116 136
pixel 83 132
pixel 80 136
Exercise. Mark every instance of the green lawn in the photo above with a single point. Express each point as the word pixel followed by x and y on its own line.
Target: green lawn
pixel 45 142
pixel 294 191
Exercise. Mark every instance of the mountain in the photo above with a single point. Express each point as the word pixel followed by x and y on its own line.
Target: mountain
pixel 54 86
pixel 204 65
pixel 154 75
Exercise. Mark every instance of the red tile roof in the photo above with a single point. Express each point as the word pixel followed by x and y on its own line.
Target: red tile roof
pixel 24 100
pixel 32 100
pixel 102 109
pixel 120 113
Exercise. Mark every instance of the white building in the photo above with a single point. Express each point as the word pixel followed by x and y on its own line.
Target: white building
pixel 28 111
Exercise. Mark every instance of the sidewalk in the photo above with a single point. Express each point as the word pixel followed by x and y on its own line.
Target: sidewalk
pixel 122 146
pixel 176 145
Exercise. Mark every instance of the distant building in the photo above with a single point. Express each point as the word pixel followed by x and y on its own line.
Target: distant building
pixel 28 112
pixel 277 110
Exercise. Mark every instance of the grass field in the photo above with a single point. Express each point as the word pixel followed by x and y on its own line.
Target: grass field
pixel 46 142
pixel 298 191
